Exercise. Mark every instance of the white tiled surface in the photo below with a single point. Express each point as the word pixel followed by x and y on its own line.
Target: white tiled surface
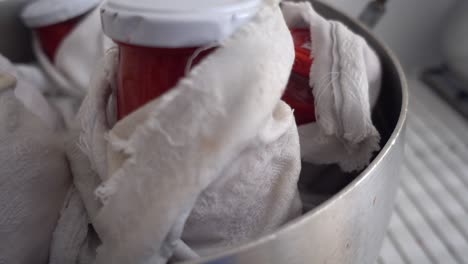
pixel 430 222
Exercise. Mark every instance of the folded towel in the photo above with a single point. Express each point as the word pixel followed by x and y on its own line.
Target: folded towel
pixel 345 80
pixel 27 91
pixel 211 164
pixel 61 108
pixel 33 73
pixel 34 175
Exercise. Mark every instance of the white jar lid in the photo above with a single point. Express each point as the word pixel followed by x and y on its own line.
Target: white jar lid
pixel 40 13
pixel 175 23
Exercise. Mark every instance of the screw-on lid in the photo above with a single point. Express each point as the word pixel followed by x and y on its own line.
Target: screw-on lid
pixel 41 13
pixel 175 23
pixel 7 81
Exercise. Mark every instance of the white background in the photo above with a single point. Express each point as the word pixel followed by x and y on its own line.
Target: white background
pixel 412 28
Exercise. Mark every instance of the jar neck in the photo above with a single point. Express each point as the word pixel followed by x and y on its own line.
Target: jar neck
pixel 145 73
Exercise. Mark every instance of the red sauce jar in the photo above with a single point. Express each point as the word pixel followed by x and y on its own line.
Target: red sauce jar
pixel 53 20
pixel 145 73
pixel 298 93
pixel 154 49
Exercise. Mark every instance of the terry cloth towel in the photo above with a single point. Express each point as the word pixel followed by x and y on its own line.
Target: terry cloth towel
pixel 34 174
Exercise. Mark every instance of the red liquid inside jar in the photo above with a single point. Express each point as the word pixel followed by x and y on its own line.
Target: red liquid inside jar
pixel 145 73
pixel 51 36
pixel 298 93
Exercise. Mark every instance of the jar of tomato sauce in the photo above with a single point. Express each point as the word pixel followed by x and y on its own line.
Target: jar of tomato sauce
pixel 53 20
pixel 157 39
pixel 298 93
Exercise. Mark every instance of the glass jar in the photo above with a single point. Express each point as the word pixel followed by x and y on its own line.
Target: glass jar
pixel 298 92
pixel 156 39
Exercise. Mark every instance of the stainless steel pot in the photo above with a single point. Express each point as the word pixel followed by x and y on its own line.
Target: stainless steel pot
pixel 350 226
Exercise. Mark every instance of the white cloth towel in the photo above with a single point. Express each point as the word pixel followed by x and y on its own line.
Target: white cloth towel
pixel 211 164
pixel 28 91
pixel 345 80
pixel 33 73
pixel 34 175
pixel 222 139
pixel 61 108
